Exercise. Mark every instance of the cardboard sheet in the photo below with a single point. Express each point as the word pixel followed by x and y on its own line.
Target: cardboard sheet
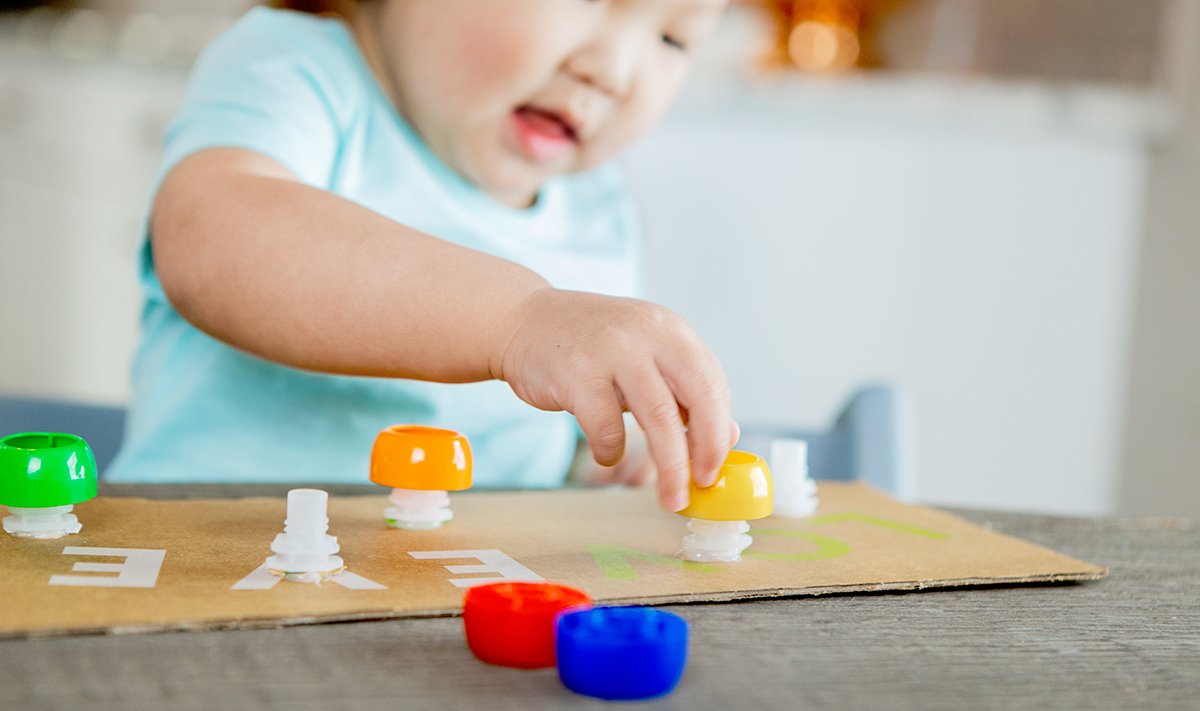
pixel 141 565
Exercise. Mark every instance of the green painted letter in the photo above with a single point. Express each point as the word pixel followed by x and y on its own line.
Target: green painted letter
pixel 826 547
pixel 876 521
pixel 614 562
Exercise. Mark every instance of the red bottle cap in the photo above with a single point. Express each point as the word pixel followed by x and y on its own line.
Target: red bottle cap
pixel 512 624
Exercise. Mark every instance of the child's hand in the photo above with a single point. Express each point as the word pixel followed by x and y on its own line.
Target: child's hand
pixel 598 356
pixel 636 467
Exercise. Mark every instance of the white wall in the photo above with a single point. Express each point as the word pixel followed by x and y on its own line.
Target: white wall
pixel 974 244
pixel 80 144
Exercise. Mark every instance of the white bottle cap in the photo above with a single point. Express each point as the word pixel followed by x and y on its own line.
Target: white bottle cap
pixel 418 510
pixel 306 512
pixel 715 541
pixel 795 493
pixel 303 552
pixel 41 522
pixel 789 459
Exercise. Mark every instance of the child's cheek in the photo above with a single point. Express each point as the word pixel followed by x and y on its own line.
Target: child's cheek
pixel 491 60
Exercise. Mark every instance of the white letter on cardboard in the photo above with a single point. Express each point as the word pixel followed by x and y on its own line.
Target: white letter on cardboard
pixel 140 569
pixel 493 561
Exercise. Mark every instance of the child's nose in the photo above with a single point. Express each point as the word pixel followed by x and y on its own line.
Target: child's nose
pixel 607 63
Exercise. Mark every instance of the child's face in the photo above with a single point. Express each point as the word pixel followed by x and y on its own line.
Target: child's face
pixel 510 92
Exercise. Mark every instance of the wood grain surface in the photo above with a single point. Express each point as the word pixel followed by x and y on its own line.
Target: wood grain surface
pixel 1129 641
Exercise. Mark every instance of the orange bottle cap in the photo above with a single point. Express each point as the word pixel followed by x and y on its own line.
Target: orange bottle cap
pixel 422 458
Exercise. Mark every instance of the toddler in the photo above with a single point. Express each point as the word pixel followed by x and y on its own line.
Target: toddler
pixel 401 211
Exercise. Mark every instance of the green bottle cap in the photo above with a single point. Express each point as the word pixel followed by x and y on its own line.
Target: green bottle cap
pixel 42 469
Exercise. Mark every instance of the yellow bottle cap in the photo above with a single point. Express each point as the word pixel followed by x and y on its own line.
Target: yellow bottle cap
pixel 742 491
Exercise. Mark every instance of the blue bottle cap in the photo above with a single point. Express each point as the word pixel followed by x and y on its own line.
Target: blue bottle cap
pixel 621 652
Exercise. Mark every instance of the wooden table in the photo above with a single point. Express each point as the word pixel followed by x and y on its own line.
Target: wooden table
pixel 1130 641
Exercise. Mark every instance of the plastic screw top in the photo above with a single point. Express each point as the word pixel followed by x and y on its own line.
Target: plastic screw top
pixel 42 476
pixel 512 624
pixel 304 552
pixel 742 492
pixel 795 492
pixel 621 653
pixel 421 464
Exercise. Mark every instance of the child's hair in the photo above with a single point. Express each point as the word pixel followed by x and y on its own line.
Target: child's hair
pixel 315 7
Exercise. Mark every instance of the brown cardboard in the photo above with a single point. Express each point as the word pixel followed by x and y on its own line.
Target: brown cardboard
pixel 613 543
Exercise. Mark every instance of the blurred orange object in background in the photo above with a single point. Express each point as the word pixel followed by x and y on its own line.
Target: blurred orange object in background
pixel 826 36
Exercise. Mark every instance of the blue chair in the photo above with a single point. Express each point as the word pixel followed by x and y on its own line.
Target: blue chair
pixel 871 440
pixel 102 426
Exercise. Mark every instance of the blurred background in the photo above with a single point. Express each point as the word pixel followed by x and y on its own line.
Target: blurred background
pixel 991 203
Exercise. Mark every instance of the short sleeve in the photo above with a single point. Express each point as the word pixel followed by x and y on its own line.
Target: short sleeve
pixel 273 84
pixel 268 84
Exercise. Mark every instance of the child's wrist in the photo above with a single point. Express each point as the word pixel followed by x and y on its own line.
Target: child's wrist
pixel 512 323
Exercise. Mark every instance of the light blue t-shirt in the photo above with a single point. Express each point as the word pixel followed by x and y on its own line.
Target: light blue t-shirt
pixel 295 88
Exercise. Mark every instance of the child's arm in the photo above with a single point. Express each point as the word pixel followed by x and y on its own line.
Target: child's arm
pixel 304 277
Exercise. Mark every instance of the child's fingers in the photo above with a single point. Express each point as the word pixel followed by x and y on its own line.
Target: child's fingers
pixel 637 467
pixel 708 441
pixel 600 417
pixel 701 389
pixel 656 410
pixel 735 433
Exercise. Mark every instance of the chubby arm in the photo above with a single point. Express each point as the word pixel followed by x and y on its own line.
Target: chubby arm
pixel 304 277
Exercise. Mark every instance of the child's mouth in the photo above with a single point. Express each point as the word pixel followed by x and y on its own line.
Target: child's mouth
pixel 542 134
